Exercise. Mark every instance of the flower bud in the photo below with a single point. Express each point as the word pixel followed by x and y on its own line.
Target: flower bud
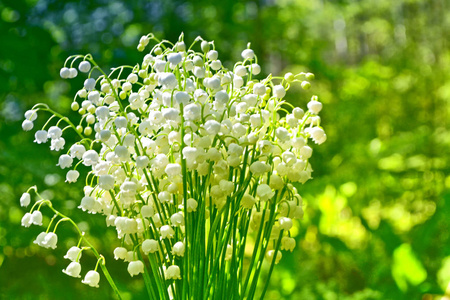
pixel 89 84
pixel 84 66
pixel 27 125
pixel 64 73
pixel 289 77
pixel 132 78
pixel 240 70
pixel 73 73
pixel 248 54
pixel 205 46
pixel 309 76
pixel 279 91
pixel 256 69
pixel 306 85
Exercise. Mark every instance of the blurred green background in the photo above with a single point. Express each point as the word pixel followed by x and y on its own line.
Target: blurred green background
pixel 377 215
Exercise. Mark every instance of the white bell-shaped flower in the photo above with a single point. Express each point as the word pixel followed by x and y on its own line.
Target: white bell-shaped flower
pixel 282 134
pixel 259 168
pixel 287 243
pixel 26 220
pixel 240 70
pixel 41 136
pixel 40 238
pixel 172 272
pixel 177 219
pixel 314 106
pixel 54 132
pixel 50 240
pixel 135 267
pixel 248 201
pixel 73 253
pixel 92 278
pixel 25 199
pixel 285 223
pixel 256 69
pixel 65 161
pixel 191 205
pixel 90 158
pixel 166 231
pixel 174 58
pixel 77 151
pixel 57 144
pixel 147 211
pixel 318 135
pixel 306 152
pixel 178 249
pixel 264 192
pixel 72 176
pixel 121 122
pixel 167 80
pixel 132 78
pixel 73 269
pixel 36 218
pixel 130 256
pixel 142 162
pixel 150 246
pixel 120 253
pixel 106 182
pixel 173 170
pixel 73 72
pixel 270 256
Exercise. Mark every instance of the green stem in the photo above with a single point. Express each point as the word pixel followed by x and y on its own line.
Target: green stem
pixel 272 264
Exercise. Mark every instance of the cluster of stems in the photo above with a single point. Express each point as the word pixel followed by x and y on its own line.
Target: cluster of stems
pixel 193 164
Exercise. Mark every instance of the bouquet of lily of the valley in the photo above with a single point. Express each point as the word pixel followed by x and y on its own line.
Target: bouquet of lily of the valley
pixel 192 164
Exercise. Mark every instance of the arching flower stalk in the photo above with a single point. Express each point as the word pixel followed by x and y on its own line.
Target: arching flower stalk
pixel 194 165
